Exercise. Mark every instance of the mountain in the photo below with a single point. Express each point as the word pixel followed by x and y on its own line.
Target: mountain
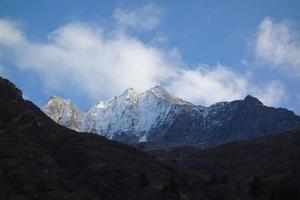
pixel 158 116
pixel 41 160
pixel 64 112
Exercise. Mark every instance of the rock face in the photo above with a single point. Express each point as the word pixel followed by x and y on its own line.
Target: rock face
pixel 158 116
pixel 228 121
pixel 64 112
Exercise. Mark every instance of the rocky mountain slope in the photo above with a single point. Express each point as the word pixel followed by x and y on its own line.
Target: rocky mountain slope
pixel 64 112
pixel 158 116
pixel 41 160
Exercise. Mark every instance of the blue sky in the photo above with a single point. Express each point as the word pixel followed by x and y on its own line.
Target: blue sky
pixel 202 51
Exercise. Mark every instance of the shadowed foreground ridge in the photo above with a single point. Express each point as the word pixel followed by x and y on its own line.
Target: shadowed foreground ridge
pixel 40 159
pixel 264 168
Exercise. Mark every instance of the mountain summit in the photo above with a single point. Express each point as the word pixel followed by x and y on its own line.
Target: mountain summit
pixel 164 94
pixel 158 116
pixel 252 100
pixel 64 112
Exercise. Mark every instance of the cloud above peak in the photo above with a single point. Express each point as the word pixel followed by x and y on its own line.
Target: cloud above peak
pixel 278 44
pixel 82 55
pixel 206 85
pixel 100 63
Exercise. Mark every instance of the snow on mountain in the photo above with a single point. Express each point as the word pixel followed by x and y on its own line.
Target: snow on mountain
pixel 131 113
pixel 112 117
pixel 157 115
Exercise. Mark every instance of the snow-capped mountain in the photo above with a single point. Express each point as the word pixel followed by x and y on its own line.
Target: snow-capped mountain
pixel 130 116
pixel 157 115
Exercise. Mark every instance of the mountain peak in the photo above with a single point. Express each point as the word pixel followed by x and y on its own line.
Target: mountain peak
pixel 159 91
pixel 158 88
pixel 58 98
pixel 129 94
pixel 252 100
pixel 164 94
pixel 63 111
pixel 129 91
pixel 100 105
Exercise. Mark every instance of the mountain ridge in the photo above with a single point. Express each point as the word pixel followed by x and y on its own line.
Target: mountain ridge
pixel 42 160
pixel 39 159
pixel 157 115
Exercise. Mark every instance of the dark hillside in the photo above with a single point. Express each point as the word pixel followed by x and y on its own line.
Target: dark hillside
pixel 42 160
pixel 272 160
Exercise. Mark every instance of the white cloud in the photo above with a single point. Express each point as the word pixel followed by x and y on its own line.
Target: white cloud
pixel 100 64
pixel 9 33
pixel 271 94
pixel 146 18
pixel 78 55
pixel 279 45
pixel 206 85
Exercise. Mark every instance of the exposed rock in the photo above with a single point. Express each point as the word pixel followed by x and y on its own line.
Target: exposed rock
pixel 158 116
pixel 64 112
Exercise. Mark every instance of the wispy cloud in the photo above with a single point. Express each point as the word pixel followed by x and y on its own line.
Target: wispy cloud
pixel 145 18
pixel 79 55
pixel 102 63
pixel 278 44
pixel 207 85
pixel 272 93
